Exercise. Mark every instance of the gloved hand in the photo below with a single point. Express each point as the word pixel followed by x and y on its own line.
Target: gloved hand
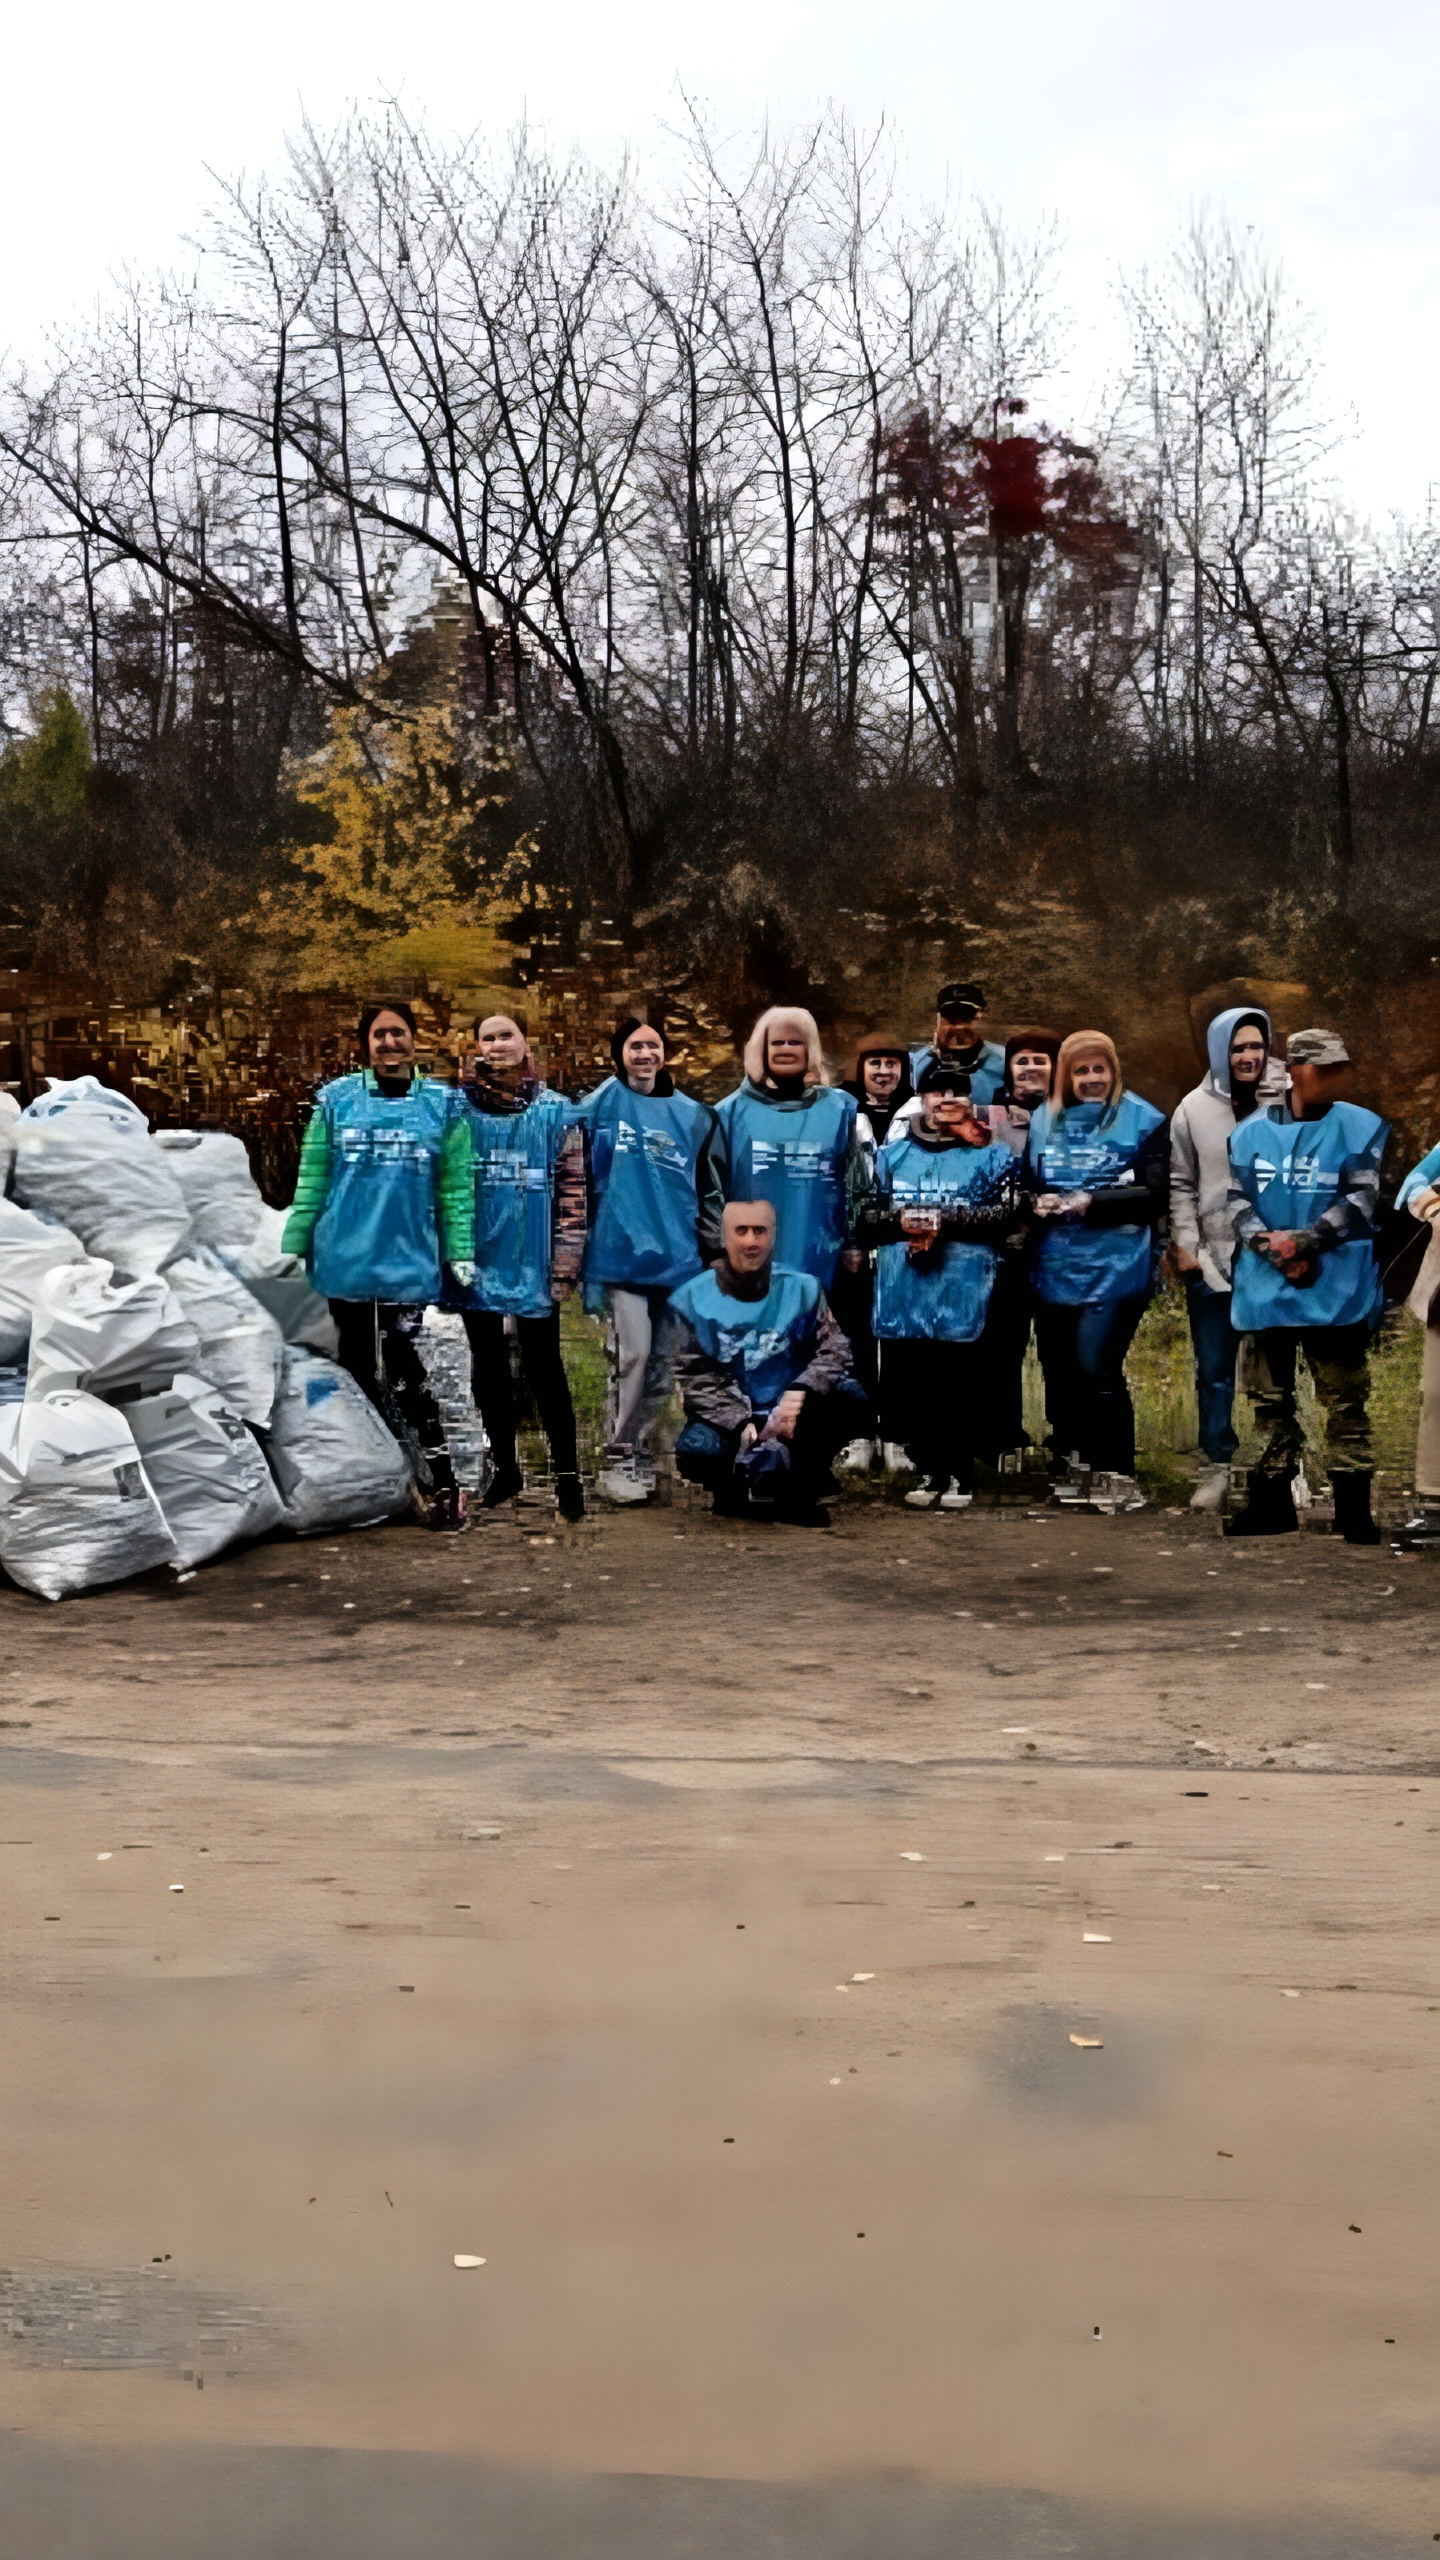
pixel 464 1273
pixel 1293 1252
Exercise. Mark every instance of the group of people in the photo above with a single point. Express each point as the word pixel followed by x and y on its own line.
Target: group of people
pixel 850 1273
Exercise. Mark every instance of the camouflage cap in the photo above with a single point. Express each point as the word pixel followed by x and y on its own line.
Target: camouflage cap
pixel 1316 1049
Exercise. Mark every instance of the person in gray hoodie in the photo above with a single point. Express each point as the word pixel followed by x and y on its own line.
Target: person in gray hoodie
pixel 1243 1077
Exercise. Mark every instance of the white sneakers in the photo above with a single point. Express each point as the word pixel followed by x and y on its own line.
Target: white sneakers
pixel 940 1492
pixel 858 1457
pixel 627 1477
pixel 1212 1486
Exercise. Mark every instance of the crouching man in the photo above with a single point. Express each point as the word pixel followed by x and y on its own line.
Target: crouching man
pixel 764 1371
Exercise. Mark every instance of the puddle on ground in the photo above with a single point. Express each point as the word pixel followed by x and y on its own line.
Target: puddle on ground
pixel 1043 2074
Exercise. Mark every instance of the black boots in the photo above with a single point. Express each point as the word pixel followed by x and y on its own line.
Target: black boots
pixel 1269 1508
pixel 1352 1509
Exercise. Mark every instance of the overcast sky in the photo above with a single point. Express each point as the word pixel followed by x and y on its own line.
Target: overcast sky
pixel 1319 124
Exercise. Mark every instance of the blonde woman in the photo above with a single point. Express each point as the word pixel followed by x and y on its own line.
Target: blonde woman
pixel 786 1136
pixel 1097 1168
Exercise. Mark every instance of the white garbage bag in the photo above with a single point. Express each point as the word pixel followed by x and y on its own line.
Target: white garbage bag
pixel 281 1282
pixel 206 1470
pixel 240 1341
pixel 29 1247
pixel 84 1332
pixel 90 1164
pixel 76 1506
pixel 86 1093
pixel 336 1464
pixel 229 1213
pixel 221 1193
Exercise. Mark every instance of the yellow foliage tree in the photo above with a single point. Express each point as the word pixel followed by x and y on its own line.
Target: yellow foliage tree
pixel 386 815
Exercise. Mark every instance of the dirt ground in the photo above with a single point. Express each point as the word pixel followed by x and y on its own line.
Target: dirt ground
pixel 931 2028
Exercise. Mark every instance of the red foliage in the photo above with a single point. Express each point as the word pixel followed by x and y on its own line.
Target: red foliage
pixel 1003 489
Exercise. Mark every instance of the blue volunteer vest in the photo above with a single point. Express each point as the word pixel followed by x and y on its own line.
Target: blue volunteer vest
pixel 1419 1178
pixel 514 1153
pixel 377 1235
pixel 795 1159
pixel 944 1298
pixel 986 1076
pixel 1087 1147
pixel 644 1151
pixel 763 1342
pixel 1289 1171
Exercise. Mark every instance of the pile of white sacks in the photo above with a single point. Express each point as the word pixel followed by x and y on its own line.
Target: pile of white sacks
pixel 165 1384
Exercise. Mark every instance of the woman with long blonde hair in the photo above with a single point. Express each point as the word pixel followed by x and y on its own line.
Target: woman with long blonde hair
pixel 786 1136
pixel 1097 1168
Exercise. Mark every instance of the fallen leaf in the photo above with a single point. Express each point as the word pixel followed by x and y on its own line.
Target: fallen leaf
pixel 862 1977
pixel 1089 2044
pixel 913 1857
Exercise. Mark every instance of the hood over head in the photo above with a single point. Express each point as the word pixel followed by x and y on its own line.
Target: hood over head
pixel 1222 1031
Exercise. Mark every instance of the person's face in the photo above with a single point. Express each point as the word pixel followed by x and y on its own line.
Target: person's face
pixel 1247 1054
pixel 881 1077
pixel 499 1042
pixel 1313 1088
pixel 643 1056
pixel 1092 1077
pixel 392 1043
pixel 949 1114
pixel 958 1027
pixel 786 1050
pixel 1030 1075
pixel 749 1230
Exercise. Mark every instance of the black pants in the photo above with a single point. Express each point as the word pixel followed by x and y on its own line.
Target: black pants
pixel 706 1455
pixel 935 1399
pixel 494 1389
pixel 377 1346
pixel 1006 1336
pixel 852 1301
pixel 1082 1352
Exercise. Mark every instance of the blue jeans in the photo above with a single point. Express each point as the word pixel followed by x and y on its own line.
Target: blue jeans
pixel 1082 1352
pixel 1216 1345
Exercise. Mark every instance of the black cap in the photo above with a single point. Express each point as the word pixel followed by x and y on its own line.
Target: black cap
pixel 960 991
pixel 941 1077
